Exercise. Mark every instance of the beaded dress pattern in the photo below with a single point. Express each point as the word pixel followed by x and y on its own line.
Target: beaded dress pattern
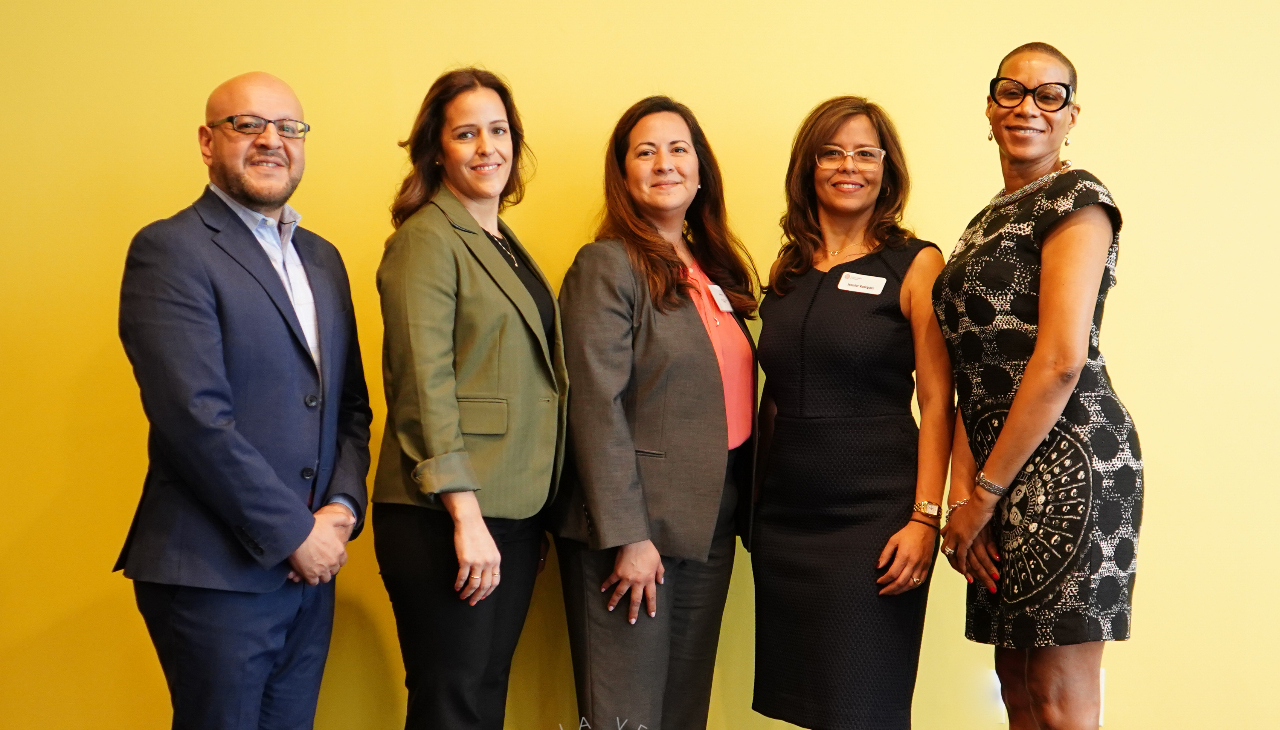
pixel 1069 525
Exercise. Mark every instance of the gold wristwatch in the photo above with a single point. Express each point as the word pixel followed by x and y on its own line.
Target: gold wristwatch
pixel 926 507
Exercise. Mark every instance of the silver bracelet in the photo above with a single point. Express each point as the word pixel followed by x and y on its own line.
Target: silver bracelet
pixel 982 481
pixel 954 506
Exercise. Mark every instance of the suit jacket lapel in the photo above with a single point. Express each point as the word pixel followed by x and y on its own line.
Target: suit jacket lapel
pixel 232 236
pixel 328 309
pixel 499 270
pixel 531 314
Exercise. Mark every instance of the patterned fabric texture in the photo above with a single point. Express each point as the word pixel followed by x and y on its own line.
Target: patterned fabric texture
pixel 1069 527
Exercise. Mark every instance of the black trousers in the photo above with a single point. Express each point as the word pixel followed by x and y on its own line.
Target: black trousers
pixel 240 661
pixel 457 657
pixel 656 673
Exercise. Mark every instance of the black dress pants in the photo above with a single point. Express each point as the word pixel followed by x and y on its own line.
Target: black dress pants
pixel 457 657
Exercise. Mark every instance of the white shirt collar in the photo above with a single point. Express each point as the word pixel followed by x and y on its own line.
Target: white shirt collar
pixel 253 218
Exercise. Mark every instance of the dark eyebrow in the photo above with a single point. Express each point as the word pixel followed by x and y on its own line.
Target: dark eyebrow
pixel 465 126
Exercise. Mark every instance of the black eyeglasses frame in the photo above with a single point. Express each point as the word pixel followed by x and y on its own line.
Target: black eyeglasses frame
pixel 991 93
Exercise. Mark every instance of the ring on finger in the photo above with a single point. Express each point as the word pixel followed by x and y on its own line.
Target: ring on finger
pixel 915 581
pixel 475 577
pixel 948 551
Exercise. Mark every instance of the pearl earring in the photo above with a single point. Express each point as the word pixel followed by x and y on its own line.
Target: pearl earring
pixel 990 136
pixel 1067 141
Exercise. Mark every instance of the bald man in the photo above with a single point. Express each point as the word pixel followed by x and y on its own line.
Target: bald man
pixel 239 326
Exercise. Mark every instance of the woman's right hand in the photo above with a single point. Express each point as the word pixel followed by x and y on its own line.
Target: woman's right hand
pixel 478 556
pixel 967 542
pixel 637 568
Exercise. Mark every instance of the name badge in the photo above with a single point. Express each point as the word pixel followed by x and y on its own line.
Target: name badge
pixel 861 283
pixel 723 302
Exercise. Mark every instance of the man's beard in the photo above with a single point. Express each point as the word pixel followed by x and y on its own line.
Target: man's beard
pixel 244 193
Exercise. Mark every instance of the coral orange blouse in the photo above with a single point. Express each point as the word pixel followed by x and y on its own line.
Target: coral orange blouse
pixel 733 353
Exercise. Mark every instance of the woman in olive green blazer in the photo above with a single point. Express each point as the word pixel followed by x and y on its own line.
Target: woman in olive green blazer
pixel 476 397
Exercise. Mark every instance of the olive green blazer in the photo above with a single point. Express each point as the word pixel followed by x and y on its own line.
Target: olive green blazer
pixel 476 396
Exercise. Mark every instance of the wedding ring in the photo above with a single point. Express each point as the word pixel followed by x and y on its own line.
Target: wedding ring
pixel 496 574
pixel 475 577
pixel 915 581
pixel 948 551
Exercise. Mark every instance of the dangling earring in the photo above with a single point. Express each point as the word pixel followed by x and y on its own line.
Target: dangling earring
pixel 990 135
pixel 699 187
pixel 1067 141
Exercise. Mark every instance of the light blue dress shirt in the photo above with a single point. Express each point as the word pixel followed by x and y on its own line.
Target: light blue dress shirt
pixel 276 239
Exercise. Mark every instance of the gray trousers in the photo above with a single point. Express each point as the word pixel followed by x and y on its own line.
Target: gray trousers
pixel 655 674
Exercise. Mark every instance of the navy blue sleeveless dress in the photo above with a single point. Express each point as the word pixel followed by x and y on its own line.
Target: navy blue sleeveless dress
pixel 840 481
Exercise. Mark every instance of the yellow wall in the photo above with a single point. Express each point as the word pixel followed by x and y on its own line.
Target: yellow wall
pixel 99 102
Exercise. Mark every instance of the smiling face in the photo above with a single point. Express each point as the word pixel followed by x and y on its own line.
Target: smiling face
pixel 476 148
pixel 661 166
pixel 1028 135
pixel 846 191
pixel 258 171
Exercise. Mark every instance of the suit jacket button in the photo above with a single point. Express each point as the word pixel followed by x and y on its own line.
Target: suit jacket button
pixel 308 472
pixel 311 401
pixel 257 550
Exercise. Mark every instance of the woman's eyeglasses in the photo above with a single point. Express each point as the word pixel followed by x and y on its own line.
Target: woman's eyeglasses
pixel 1050 97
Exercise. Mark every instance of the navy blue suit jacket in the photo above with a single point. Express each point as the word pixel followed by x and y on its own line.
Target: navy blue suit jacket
pixel 247 439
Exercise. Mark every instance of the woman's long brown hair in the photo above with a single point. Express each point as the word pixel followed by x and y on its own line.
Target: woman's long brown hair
pixel 801 233
pixel 425 142
pixel 720 253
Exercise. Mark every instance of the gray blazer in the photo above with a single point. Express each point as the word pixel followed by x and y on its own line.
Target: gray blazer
pixel 647 428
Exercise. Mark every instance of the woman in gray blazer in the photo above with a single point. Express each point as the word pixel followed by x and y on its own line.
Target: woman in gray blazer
pixel 661 424
pixel 476 397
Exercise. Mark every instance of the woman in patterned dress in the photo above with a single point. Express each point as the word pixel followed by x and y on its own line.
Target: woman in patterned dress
pixel 1046 469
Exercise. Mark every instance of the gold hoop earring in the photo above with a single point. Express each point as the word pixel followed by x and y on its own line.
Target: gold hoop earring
pixel 990 135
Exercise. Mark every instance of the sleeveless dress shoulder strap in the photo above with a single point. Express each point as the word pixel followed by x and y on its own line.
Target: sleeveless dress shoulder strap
pixel 898 259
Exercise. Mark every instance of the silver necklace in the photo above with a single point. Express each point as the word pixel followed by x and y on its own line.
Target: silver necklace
pixel 1002 199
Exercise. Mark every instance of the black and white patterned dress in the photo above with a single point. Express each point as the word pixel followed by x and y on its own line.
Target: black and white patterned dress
pixel 1069 527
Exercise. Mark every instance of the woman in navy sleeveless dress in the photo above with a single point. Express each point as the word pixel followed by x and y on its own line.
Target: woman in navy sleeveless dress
pixel 841 557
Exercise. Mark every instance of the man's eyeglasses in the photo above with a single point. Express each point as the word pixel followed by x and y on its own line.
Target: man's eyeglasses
pixel 1050 97
pixel 249 124
pixel 865 159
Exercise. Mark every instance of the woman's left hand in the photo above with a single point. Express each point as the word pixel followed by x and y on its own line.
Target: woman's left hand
pixel 909 555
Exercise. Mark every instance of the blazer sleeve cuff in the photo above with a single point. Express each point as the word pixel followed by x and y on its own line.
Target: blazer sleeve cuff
pixel 272 547
pixel 617 536
pixel 449 472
